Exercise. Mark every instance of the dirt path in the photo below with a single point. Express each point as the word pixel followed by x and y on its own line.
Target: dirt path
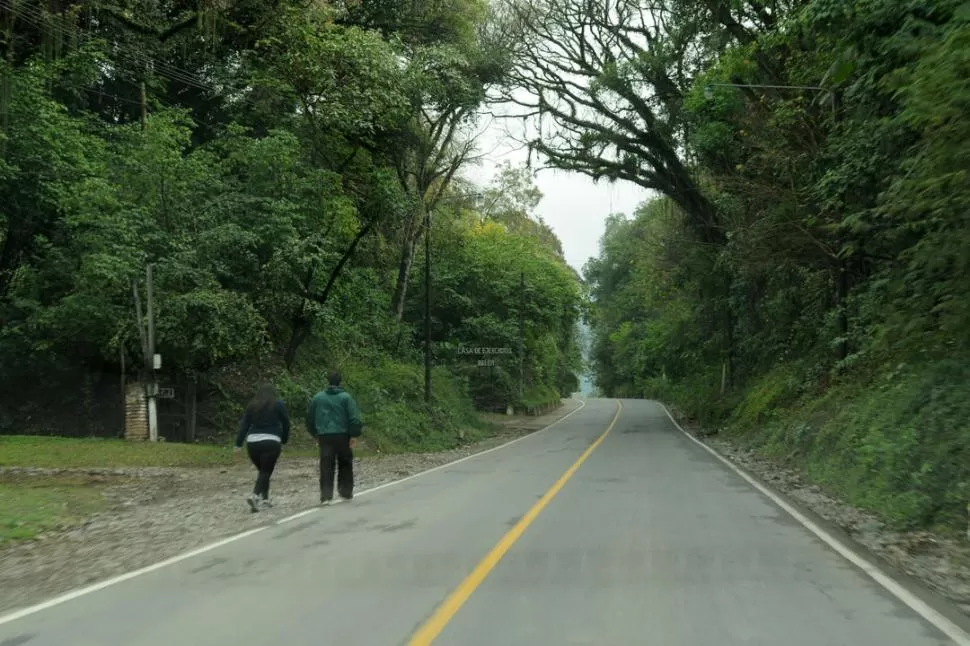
pixel 157 513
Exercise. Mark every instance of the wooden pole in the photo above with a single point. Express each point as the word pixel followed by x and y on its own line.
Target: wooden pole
pixel 427 301
pixel 153 389
pixel 124 394
pixel 144 106
pixel 141 323
pixel 521 335
pixel 150 287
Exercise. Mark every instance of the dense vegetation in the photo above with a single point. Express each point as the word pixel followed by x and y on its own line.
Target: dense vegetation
pixel 273 161
pixel 801 279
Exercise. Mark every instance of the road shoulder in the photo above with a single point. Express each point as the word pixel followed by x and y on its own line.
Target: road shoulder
pixel 934 568
pixel 157 513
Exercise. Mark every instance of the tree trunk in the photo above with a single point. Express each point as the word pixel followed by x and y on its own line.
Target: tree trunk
pixel 303 322
pixel 10 254
pixel 842 294
pixel 403 277
pixel 300 331
pixel 191 400
pixel 702 215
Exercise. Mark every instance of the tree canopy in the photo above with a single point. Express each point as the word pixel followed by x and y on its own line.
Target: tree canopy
pixel 826 142
pixel 272 162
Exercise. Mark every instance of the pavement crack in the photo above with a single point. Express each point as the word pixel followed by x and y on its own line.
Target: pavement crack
pixel 208 565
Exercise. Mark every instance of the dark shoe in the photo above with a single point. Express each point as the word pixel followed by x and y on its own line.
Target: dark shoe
pixel 253 501
pixel 347 498
pixel 325 501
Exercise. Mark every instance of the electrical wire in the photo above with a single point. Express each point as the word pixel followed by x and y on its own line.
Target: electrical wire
pixel 37 17
pixel 135 58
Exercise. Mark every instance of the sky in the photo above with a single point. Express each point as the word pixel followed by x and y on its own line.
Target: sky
pixel 572 205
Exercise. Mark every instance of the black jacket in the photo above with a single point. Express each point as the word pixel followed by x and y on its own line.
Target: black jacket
pixel 275 422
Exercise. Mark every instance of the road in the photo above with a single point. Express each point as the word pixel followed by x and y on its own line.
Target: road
pixel 651 541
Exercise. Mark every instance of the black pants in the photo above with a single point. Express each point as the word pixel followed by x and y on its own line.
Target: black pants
pixel 335 452
pixel 264 455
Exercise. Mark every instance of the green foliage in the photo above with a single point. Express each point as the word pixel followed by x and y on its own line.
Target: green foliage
pixel 772 392
pixel 272 186
pixel 895 443
pixel 389 393
pixel 833 313
pixel 495 275
pixel 31 507
pixel 68 453
pixel 537 397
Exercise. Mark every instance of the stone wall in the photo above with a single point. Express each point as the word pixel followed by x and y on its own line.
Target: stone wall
pixel 136 412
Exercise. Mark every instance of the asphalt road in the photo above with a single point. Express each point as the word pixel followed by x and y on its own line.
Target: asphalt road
pixel 651 541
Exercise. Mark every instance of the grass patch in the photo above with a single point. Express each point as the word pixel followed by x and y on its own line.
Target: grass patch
pixel 96 453
pixel 390 395
pixel 65 453
pixel 30 506
pixel 537 397
pixel 896 443
pixel 391 398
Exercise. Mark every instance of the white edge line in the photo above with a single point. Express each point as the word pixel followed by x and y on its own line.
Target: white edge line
pixel 952 630
pixel 80 592
pixel 124 577
pixel 473 455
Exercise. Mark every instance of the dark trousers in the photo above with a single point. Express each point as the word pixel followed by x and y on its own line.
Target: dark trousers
pixel 264 455
pixel 335 453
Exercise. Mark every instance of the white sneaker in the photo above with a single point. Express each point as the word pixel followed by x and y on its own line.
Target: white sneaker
pixel 253 501
pixel 267 502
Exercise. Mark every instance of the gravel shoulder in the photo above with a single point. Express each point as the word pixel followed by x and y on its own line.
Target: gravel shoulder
pixel 940 563
pixel 157 513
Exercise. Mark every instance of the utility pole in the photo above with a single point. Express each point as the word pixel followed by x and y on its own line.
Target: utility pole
pixel 842 280
pixel 521 335
pixel 150 361
pixel 151 358
pixel 141 324
pixel 427 301
pixel 144 106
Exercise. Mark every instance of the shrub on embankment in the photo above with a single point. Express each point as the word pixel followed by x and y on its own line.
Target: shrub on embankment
pixel 896 442
pixel 813 304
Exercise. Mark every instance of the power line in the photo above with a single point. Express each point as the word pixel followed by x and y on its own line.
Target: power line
pixel 98 92
pixel 40 19
pixel 136 58
pixel 91 90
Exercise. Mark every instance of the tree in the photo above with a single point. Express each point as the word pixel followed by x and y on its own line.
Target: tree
pixel 449 81
pixel 511 200
pixel 606 78
pixel 267 159
pixel 485 278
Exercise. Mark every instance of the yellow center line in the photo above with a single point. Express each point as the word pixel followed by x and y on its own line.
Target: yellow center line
pixel 444 613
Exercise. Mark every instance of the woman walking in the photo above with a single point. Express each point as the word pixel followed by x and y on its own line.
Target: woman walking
pixel 266 428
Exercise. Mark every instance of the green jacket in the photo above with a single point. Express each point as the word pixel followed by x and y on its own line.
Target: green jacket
pixel 333 411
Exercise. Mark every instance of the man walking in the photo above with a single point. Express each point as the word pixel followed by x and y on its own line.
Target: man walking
pixel 334 420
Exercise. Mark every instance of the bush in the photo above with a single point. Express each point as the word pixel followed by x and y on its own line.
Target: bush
pixel 391 398
pixel 898 445
pixel 537 397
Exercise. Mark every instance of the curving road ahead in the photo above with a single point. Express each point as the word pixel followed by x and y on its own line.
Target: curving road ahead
pixel 644 539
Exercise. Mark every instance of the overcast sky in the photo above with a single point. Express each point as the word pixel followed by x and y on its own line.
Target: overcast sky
pixel 572 205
